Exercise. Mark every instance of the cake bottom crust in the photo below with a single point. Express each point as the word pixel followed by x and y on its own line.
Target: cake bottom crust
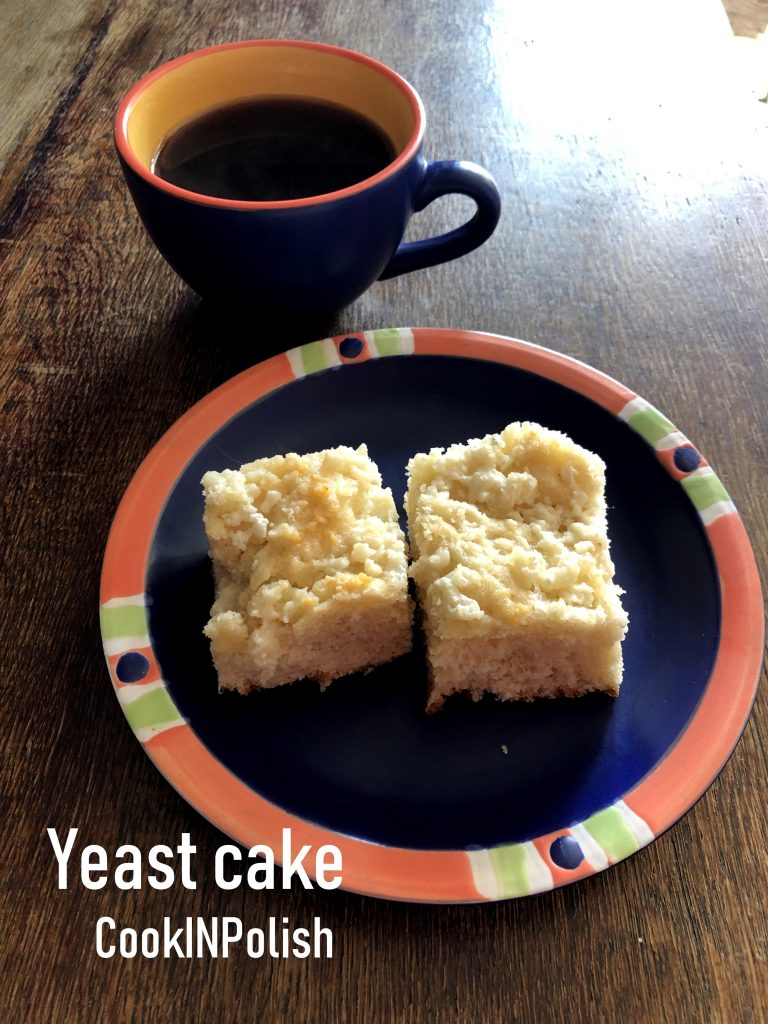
pixel 524 665
pixel 346 640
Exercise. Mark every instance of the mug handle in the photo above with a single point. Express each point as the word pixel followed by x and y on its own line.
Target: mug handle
pixel 440 178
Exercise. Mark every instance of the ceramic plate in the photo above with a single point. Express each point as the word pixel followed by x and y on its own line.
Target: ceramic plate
pixel 479 801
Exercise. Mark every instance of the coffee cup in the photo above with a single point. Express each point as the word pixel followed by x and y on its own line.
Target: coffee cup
pixel 314 253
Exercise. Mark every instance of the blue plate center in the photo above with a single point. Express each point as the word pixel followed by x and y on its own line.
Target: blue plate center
pixel 363 758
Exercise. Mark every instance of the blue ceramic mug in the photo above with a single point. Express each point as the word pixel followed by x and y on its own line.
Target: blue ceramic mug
pixel 314 254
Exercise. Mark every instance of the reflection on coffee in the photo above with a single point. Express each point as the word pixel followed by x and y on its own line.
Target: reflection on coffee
pixel 273 148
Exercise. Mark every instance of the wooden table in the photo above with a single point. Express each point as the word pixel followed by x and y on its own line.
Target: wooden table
pixel 633 236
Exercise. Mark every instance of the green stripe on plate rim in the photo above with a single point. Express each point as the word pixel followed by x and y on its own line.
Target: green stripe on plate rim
pixel 151 709
pixel 314 357
pixel 708 495
pixel 704 489
pixel 650 424
pixel 509 865
pixel 610 830
pixel 518 869
pixel 506 872
pixel 123 620
pixel 387 341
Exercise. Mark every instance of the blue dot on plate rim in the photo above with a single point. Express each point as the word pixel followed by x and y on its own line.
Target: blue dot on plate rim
pixel 686 458
pixel 132 667
pixel 350 348
pixel 566 852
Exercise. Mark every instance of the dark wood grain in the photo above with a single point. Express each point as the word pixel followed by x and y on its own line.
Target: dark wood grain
pixel 633 236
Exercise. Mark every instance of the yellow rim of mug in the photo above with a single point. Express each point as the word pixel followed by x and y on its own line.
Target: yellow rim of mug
pixel 135 94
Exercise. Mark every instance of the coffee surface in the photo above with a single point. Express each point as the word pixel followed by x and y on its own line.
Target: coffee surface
pixel 269 149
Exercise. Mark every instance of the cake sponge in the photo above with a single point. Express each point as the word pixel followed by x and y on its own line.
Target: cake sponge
pixel 511 561
pixel 310 569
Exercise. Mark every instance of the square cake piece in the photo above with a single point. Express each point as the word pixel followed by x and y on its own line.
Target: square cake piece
pixel 310 569
pixel 508 535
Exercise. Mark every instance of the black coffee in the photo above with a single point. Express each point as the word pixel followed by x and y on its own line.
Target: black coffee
pixel 272 149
